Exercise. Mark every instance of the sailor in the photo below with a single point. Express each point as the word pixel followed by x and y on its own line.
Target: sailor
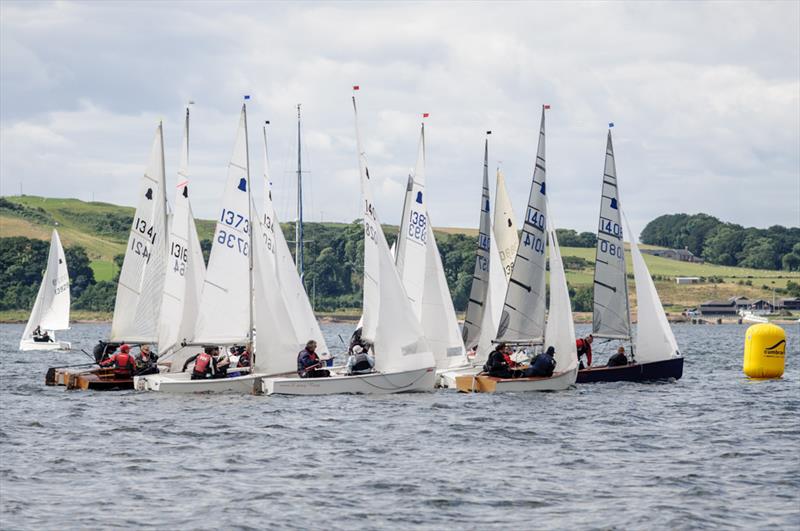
pixel 40 337
pixel 205 364
pixel 619 359
pixel 308 362
pixel 102 350
pixel 355 340
pixel 123 363
pixel 584 348
pixel 543 364
pixel 500 364
pixel 359 361
pixel 146 361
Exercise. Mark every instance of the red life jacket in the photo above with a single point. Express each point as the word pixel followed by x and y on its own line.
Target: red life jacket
pixel 508 359
pixel 123 363
pixel 202 362
pixel 584 348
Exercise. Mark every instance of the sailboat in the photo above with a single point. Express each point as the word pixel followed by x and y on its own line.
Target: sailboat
pixel 523 322
pixel 225 315
pixel 403 362
pixel 655 352
pixel 51 309
pixel 184 272
pixel 420 266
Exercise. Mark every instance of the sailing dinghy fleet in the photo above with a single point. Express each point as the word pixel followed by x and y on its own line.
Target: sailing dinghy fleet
pixel 252 296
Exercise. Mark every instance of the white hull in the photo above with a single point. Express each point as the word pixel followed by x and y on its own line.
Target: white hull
pixel 417 380
pixel 181 383
pixel 29 344
pixel 485 384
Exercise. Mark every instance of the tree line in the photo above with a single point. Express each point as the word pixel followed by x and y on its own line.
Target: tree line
pixel 728 244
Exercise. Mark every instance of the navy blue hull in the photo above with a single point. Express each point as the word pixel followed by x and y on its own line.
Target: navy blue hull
pixel 657 370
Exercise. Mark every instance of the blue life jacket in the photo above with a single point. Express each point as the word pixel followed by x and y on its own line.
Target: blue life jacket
pixel 543 365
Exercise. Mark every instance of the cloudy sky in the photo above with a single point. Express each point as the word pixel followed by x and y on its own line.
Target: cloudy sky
pixel 705 98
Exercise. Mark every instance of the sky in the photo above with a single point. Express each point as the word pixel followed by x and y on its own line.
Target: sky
pixel 705 98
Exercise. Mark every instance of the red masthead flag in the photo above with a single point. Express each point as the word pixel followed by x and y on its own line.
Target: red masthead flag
pixel 355 87
pixel 426 114
pixel 546 106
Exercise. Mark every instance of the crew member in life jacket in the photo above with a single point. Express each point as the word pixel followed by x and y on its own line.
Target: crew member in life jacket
pixel 355 340
pixel 619 359
pixel 205 363
pixel 543 364
pixel 584 347
pixel 40 337
pixel 146 361
pixel 123 362
pixel 500 364
pixel 308 363
pixel 360 361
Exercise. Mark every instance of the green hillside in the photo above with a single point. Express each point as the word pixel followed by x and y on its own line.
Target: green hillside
pixel 102 229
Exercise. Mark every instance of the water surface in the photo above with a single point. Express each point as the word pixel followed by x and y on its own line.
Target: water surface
pixel 712 450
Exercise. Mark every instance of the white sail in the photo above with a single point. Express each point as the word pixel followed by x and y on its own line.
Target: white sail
pixel 654 338
pixel 413 233
pixel 611 315
pixel 476 304
pixel 495 297
pixel 304 322
pixel 505 226
pixel 224 316
pixel 277 340
pixel 560 330
pixel 141 281
pixel 51 309
pixel 185 268
pixel 523 316
pixel 389 321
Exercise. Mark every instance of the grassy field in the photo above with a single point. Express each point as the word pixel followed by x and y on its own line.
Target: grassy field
pixel 77 221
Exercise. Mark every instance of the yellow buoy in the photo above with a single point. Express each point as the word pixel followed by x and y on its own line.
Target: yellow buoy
pixel 764 351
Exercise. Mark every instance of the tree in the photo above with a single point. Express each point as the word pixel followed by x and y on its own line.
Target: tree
pixel 791 262
pixel 81 275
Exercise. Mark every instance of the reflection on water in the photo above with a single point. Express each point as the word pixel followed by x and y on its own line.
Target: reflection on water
pixel 711 450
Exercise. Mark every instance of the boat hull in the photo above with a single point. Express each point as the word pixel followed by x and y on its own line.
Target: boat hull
pixel 181 383
pixel 489 384
pixel 96 379
pixel 28 344
pixel 636 372
pixel 447 378
pixel 416 380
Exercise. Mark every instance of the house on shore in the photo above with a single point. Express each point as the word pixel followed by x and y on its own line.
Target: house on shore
pixel 687 280
pixel 683 255
pixel 727 307
pixel 791 303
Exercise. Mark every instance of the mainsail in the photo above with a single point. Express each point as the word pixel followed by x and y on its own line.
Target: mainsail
pixel 51 309
pixel 476 305
pixel 505 228
pixel 141 281
pixel 654 338
pixel 185 268
pixel 304 323
pixel 611 314
pixel 225 314
pixel 411 241
pixel 523 317
pixel 560 330
pixel 389 321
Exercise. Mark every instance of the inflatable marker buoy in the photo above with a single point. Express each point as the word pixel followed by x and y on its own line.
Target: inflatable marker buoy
pixel 764 351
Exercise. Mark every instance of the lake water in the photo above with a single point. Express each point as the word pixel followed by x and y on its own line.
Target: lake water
pixel 712 450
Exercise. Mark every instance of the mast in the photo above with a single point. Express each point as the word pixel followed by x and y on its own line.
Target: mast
pixel 164 190
pixel 250 230
pixel 299 225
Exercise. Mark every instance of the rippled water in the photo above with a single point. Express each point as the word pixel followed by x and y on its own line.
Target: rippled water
pixel 712 450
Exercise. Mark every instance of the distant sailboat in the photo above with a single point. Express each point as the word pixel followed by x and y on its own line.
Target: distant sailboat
pixel 523 322
pixel 403 362
pixel 50 311
pixel 141 281
pixel 655 352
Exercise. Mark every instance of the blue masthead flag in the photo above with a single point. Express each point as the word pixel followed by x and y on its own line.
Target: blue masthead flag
pixel 610 124
pixel 247 96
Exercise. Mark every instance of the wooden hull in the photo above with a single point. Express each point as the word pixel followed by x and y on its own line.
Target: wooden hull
pixel 96 379
pixel 416 380
pixel 636 372
pixel 28 344
pixel 489 384
pixel 181 383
